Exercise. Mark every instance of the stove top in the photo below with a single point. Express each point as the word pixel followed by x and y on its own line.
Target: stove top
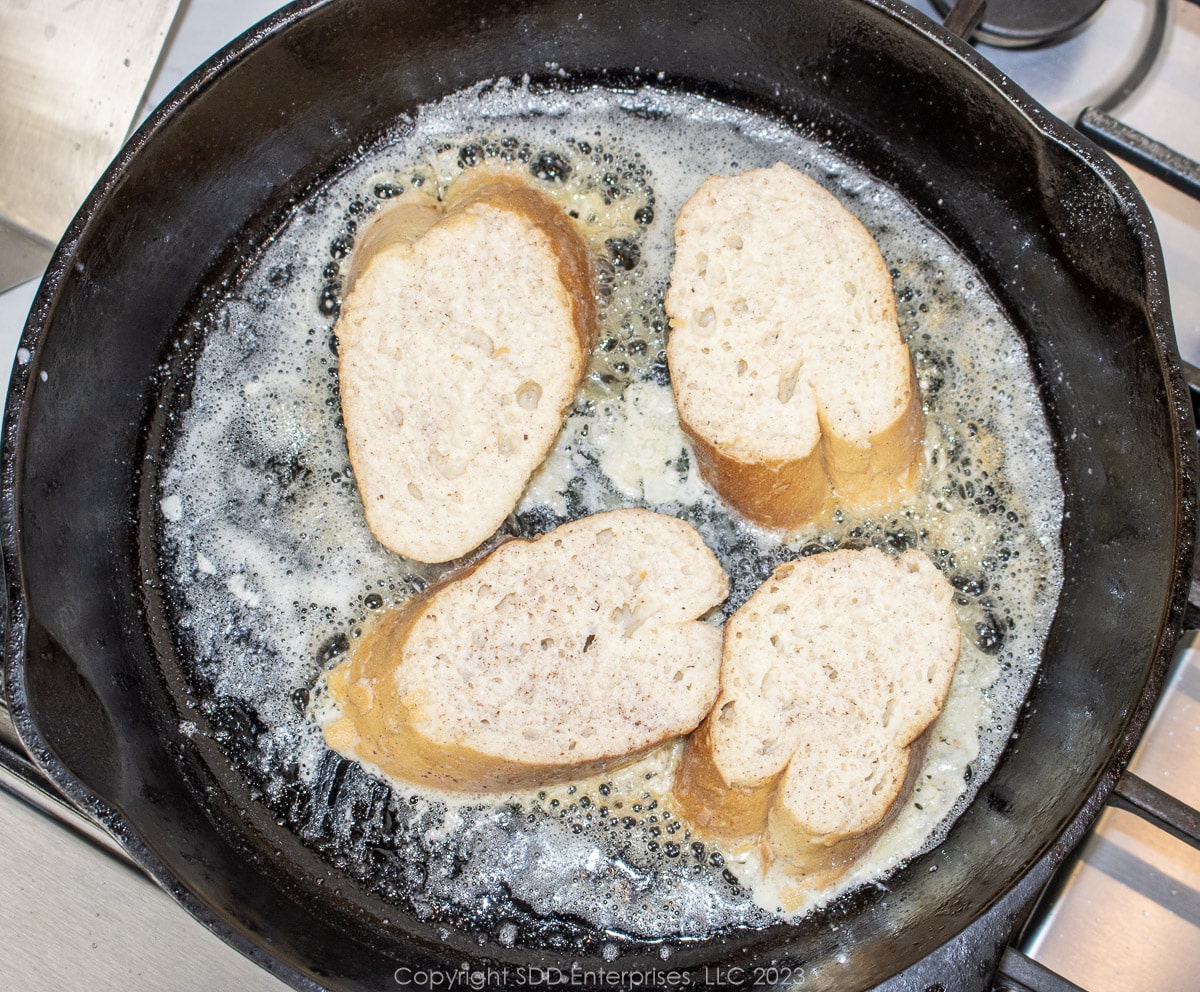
pixel 1123 914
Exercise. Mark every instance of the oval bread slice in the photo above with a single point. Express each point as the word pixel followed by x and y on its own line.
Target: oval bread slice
pixel 789 371
pixel 462 339
pixel 569 653
pixel 832 672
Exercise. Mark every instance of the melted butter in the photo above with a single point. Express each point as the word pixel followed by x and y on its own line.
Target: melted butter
pixel 276 570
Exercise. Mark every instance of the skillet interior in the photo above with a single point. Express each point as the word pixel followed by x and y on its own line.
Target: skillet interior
pixel 85 633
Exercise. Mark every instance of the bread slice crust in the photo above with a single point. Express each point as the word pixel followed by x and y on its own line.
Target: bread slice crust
pixel 463 337
pixel 549 659
pixel 831 675
pixel 790 374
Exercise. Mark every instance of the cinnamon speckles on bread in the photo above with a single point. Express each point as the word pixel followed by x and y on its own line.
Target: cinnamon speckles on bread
pixel 790 374
pixel 831 673
pixel 551 658
pixel 462 340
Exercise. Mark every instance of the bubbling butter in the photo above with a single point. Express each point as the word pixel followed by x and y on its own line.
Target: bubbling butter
pixel 274 570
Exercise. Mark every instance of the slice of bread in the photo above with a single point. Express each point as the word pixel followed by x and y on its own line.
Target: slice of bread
pixel 831 673
pixel 462 339
pixel 549 659
pixel 789 371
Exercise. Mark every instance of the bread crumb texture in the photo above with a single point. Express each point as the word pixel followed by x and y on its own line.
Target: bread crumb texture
pixel 832 672
pixel 461 342
pixel 791 376
pixel 551 658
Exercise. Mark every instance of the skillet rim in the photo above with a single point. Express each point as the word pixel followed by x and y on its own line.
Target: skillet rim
pixel 1050 129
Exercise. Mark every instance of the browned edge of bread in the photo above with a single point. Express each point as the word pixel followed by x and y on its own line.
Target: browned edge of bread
pixel 748 817
pixel 404 221
pixel 702 796
pixel 777 493
pixel 790 493
pixel 750 813
pixel 878 475
pixel 820 864
pixel 376 724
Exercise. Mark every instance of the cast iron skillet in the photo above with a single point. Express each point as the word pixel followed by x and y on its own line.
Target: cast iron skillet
pixel 1059 234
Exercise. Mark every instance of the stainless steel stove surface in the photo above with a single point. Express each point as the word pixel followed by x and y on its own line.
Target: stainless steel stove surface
pixel 1122 916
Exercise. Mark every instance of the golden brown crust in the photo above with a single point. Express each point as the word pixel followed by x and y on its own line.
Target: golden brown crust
pixel 789 494
pixel 860 472
pixel 407 695
pixel 786 494
pixel 406 221
pixel 712 805
pixel 399 226
pixel 817 862
pixel 790 804
pixel 890 462
pixel 779 494
pixel 400 223
pixel 744 818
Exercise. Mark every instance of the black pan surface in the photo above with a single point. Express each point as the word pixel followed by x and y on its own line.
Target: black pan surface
pixel 88 649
